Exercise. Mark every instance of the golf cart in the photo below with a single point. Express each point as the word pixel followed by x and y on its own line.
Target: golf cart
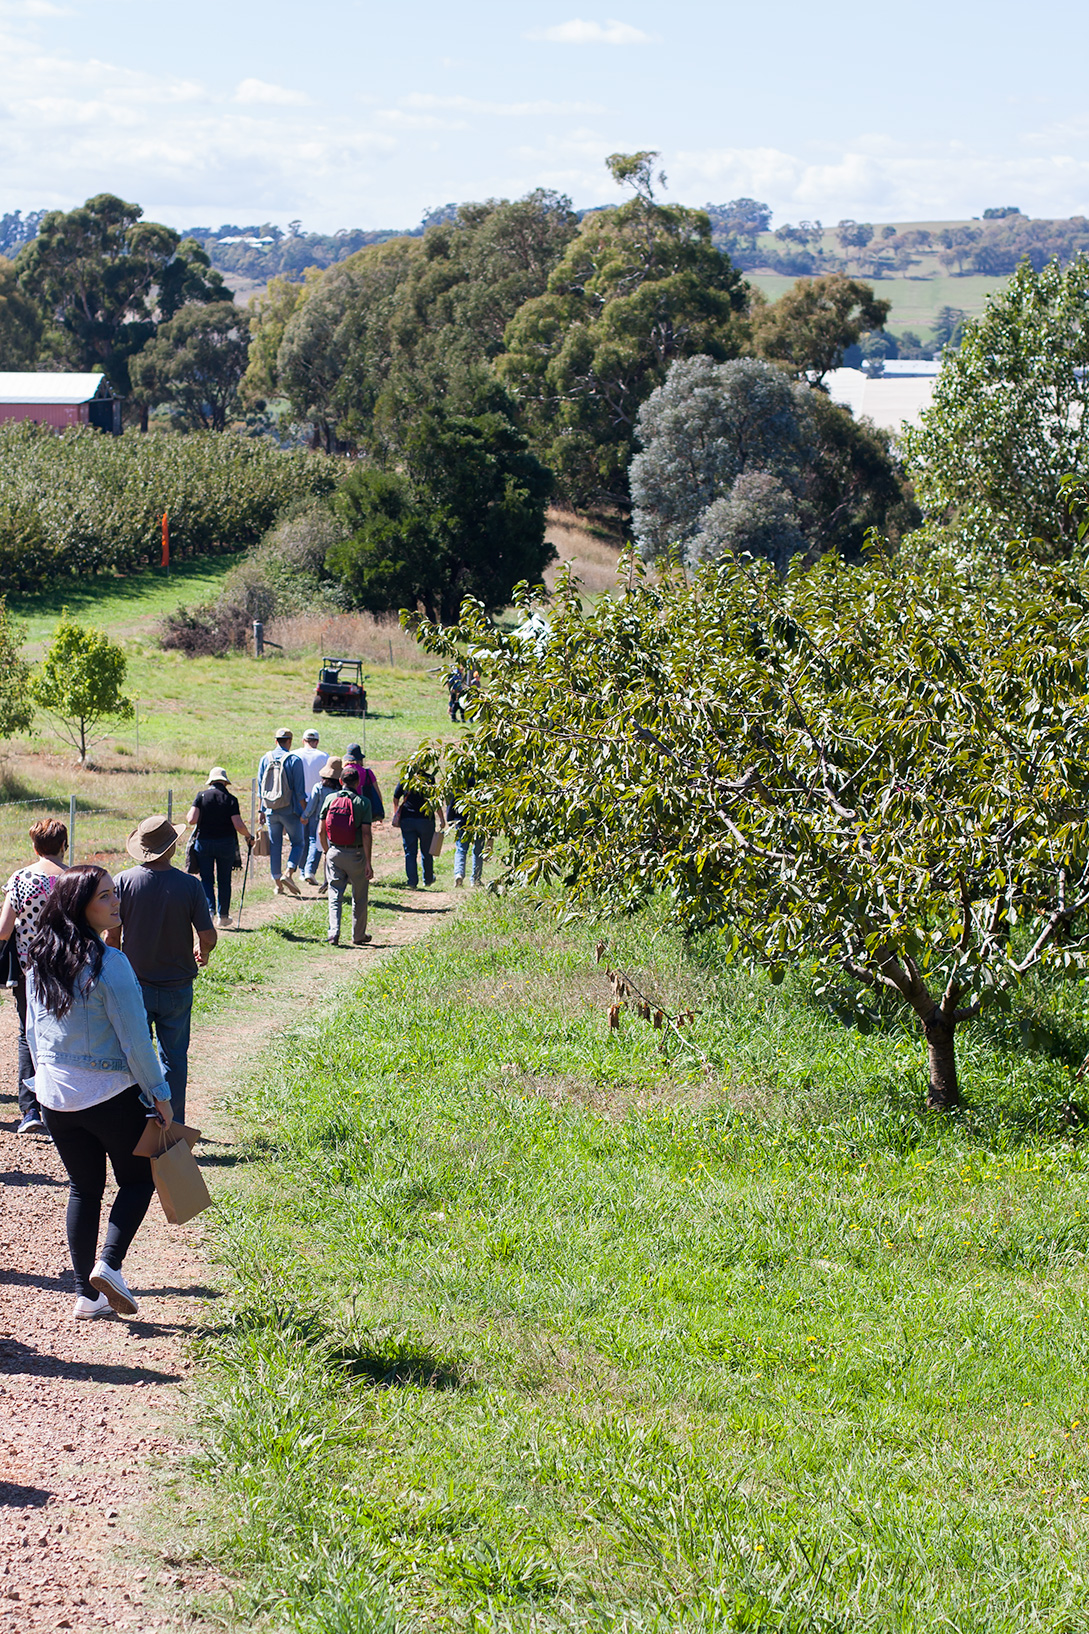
pixel 340 689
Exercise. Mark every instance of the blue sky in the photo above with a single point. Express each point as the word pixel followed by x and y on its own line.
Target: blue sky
pixel 351 114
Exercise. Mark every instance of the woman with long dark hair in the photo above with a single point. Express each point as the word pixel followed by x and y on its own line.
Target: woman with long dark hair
pixel 97 1078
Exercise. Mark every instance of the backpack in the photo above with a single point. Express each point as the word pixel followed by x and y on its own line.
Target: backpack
pixel 340 823
pixel 275 794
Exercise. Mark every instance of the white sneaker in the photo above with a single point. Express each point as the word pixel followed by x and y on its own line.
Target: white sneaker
pixel 113 1286
pixel 224 922
pixel 84 1307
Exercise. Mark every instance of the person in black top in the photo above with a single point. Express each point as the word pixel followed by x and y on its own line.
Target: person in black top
pixel 218 819
pixel 417 825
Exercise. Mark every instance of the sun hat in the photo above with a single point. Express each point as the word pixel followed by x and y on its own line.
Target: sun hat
pixel 218 775
pixel 283 732
pixel 332 768
pixel 152 839
pixel 311 732
pixel 353 752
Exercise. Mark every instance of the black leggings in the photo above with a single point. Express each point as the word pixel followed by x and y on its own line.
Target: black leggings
pixel 84 1140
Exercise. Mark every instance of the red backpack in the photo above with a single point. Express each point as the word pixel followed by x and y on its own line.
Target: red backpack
pixel 340 823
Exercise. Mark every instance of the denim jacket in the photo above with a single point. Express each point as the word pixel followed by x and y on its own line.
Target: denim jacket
pixel 317 799
pixel 106 1029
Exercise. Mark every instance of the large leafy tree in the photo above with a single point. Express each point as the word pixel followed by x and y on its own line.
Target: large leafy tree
pixel 1009 420
pixel 269 314
pixel 102 278
pixel 195 364
pixel 810 327
pixel 640 286
pixel 464 515
pixel 878 776
pixel 737 456
pixel 20 321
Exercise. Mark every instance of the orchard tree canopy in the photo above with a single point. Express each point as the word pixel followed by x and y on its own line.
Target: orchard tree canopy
pixel 1009 421
pixel 878 776
pixel 640 286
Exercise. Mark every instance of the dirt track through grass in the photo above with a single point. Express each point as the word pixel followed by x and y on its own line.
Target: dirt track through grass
pixel 92 1413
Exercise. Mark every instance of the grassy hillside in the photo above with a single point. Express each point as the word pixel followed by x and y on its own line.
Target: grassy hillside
pixel 915 301
pixel 535 1328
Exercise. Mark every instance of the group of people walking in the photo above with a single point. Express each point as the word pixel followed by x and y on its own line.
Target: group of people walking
pixel 102 969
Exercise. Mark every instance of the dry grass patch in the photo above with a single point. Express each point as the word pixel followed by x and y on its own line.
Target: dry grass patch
pixel 590 552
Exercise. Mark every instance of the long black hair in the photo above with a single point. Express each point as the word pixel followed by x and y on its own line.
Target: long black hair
pixel 65 945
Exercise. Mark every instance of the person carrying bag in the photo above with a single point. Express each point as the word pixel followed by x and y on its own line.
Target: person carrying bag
pixel 98 1078
pixel 345 833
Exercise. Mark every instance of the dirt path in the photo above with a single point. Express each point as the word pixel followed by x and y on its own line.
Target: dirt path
pixel 88 1410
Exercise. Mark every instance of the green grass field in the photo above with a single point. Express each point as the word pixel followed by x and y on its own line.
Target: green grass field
pixel 193 714
pixel 535 1328
pixel 915 301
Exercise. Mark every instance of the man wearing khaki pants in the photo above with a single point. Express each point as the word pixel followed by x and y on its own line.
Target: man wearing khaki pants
pixel 344 830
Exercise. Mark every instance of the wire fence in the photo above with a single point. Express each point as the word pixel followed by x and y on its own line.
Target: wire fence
pixel 94 812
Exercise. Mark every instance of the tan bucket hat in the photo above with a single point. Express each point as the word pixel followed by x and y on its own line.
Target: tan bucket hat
pixel 218 775
pixel 152 839
pixel 332 768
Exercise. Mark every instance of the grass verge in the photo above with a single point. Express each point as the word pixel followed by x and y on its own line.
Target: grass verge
pixel 536 1329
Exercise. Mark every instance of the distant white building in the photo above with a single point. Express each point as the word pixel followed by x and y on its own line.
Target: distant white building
pixel 896 396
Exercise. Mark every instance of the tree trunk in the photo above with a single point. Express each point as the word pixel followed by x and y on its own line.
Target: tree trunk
pixel 944 1091
pixel 143 416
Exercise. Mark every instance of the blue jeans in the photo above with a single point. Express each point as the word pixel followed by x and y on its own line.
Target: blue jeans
pixel 416 835
pixel 216 857
pixel 313 853
pixel 279 824
pixel 462 847
pixel 168 1013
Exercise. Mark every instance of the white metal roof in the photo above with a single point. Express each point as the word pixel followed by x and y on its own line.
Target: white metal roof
pixel 49 388
pixel 887 401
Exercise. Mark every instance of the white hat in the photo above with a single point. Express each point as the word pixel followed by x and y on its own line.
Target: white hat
pixel 311 732
pixel 218 775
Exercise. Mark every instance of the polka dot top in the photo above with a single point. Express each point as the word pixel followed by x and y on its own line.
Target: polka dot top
pixel 28 893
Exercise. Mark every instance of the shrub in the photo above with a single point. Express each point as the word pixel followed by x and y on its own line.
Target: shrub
pixel 283 575
pixel 209 631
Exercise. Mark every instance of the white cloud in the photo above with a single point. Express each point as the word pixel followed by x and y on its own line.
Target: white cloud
pixel 884 179
pixel 273 96
pixel 468 104
pixel 580 32
pixel 33 8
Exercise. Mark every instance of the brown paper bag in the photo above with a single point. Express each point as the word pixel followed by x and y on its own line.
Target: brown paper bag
pixel 179 1183
pixel 262 845
pixel 155 1139
pixel 436 842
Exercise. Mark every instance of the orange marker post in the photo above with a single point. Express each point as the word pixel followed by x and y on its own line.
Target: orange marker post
pixel 166 541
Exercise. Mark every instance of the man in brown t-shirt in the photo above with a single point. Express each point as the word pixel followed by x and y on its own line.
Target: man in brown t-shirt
pixel 166 932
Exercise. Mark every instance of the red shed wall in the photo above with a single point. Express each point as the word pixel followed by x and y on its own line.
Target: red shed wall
pixel 57 415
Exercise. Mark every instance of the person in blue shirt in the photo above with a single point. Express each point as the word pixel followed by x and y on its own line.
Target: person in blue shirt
pixel 97 1077
pixel 281 789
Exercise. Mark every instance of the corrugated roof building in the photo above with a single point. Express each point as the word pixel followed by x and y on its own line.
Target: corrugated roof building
pixel 61 400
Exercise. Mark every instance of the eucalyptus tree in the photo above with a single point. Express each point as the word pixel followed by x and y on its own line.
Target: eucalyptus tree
pixel 878 776
pixel 640 286
pixel 103 278
pixel 810 327
pixel 738 457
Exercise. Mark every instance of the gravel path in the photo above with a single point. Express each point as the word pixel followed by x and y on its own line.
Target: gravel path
pixel 91 1413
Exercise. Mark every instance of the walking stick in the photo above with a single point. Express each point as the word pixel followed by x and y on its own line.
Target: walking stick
pixel 245 876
